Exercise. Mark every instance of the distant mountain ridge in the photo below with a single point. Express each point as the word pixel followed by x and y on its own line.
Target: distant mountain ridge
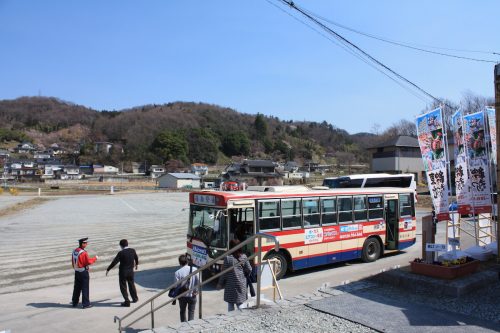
pixel 48 120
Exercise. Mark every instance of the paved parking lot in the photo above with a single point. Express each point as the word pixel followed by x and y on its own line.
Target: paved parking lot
pixel 36 275
pixel 36 244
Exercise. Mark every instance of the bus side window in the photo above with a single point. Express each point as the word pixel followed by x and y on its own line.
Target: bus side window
pixel 375 208
pixel 345 209
pixel 328 211
pixel 355 183
pixel 291 213
pixel 269 215
pixel 360 209
pixel 310 208
pixel 405 205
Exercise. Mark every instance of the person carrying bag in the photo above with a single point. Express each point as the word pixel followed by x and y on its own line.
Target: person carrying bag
pixel 189 299
pixel 235 281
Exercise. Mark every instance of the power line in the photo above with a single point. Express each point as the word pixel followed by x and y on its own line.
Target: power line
pixel 353 53
pixel 409 45
pixel 361 51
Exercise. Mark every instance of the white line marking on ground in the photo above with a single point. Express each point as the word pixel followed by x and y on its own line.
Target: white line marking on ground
pixel 126 204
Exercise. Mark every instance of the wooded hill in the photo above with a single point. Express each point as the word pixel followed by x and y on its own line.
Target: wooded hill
pixel 180 131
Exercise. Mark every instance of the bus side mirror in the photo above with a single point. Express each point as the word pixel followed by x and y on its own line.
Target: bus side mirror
pixel 218 217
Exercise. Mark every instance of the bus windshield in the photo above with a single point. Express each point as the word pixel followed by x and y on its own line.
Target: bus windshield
pixel 208 225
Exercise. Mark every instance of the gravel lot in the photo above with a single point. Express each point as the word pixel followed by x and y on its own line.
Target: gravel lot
pixel 482 304
pixel 7 200
pixel 297 319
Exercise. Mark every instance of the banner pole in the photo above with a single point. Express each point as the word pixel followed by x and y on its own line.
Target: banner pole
pixel 497 120
pixel 448 167
pixel 492 176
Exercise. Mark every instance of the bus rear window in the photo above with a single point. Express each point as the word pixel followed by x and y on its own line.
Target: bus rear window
pixel 343 182
pixel 401 182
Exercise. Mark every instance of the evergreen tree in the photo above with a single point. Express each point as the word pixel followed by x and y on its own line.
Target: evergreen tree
pixel 170 145
pixel 236 143
pixel 260 126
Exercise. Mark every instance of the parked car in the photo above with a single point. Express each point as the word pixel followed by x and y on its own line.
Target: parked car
pixel 230 186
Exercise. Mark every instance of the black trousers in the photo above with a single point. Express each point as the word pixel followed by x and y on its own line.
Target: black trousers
pixel 81 285
pixel 127 277
pixel 190 303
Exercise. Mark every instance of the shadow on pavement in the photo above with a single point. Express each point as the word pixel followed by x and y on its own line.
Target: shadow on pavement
pixel 97 304
pixel 161 278
pixel 158 278
pixel 135 330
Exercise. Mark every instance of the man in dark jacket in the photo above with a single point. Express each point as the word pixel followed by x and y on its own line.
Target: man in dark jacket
pixel 127 258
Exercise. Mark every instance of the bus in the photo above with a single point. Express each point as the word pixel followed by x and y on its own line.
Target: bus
pixel 402 180
pixel 314 226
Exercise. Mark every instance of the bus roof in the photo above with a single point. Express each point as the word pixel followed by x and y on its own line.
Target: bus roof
pixel 372 175
pixel 297 191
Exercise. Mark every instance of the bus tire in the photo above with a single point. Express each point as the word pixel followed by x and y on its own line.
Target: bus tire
pixel 371 250
pixel 282 264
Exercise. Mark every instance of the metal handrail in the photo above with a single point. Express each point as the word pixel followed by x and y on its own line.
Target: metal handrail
pixel 199 271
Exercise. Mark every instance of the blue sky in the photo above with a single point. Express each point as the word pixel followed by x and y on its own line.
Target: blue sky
pixel 247 55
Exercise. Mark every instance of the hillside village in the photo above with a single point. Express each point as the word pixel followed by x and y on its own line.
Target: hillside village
pixel 27 162
pixel 44 139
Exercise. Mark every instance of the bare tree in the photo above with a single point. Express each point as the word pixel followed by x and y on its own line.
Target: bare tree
pixel 471 103
pixel 402 127
pixel 375 129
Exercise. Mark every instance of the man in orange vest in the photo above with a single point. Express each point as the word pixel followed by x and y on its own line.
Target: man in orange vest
pixel 81 262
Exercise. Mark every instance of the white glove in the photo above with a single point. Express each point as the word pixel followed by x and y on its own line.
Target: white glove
pixel 97 257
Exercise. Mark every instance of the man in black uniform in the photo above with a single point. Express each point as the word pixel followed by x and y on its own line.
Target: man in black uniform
pixel 127 258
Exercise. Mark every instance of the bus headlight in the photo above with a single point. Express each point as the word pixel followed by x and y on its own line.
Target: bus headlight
pixel 214 253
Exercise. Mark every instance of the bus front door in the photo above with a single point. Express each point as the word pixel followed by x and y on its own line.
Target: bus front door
pixel 392 224
pixel 241 226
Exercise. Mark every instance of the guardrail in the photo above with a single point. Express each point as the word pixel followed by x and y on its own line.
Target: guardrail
pixel 151 302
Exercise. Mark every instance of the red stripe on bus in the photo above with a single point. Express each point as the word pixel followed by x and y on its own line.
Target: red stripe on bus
pixel 286 232
pixel 302 243
pixel 326 253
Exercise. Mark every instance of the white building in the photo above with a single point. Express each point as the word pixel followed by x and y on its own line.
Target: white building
pixel 179 180
pixel 157 171
pixel 105 169
pixel 199 169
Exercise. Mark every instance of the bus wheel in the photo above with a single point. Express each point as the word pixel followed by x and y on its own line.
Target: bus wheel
pixel 281 264
pixel 371 250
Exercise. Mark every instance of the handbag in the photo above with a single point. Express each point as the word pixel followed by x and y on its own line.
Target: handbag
pixel 181 288
pixel 176 291
pixel 250 275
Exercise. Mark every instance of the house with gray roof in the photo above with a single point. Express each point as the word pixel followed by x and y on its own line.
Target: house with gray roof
pixel 400 154
pixel 178 180
pixel 253 172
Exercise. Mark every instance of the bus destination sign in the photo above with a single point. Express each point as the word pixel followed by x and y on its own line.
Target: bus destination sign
pixel 204 199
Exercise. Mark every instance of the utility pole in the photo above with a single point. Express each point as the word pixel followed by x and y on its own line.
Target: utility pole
pixel 497 117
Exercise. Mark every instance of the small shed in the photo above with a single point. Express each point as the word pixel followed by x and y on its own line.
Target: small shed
pixel 179 180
